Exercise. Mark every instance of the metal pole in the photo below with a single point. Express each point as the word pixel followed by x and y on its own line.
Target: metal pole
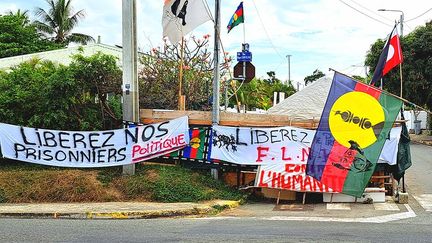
pixel 400 65
pixel 216 84
pixel 130 67
pixel 401 23
pixel 289 68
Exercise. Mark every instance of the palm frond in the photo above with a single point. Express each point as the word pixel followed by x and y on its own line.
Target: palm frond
pixel 43 27
pixel 80 38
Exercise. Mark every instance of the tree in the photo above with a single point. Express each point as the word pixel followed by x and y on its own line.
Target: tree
pixel 359 78
pixel 259 92
pixel 417 74
pixel 159 75
pixel 45 95
pixel 99 79
pixel 315 75
pixel 18 36
pixel 58 22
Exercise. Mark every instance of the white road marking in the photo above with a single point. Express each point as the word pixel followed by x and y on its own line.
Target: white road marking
pixel 425 201
pixel 338 206
pixel 387 206
pixel 377 220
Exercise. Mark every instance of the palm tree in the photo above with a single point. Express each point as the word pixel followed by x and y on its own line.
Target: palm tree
pixel 58 22
pixel 21 14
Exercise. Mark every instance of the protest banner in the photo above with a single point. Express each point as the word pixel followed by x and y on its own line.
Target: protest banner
pixel 259 146
pixel 93 148
pixel 281 154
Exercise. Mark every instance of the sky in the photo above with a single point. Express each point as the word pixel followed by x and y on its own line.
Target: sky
pixel 318 34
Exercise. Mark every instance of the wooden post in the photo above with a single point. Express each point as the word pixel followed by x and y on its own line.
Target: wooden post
pixel 180 98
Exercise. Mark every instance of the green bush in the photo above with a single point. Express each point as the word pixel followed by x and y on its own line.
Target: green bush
pixel 82 96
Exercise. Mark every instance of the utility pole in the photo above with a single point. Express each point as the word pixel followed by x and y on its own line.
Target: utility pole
pixel 130 69
pixel 289 68
pixel 216 74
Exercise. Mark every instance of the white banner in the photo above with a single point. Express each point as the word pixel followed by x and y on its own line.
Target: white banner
pixel 281 152
pixel 93 149
pixel 258 146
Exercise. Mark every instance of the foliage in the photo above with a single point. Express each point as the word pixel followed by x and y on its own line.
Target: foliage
pixel 159 75
pixel 259 92
pixel 45 95
pixel 3 197
pixel 18 36
pixel 177 184
pixel 417 74
pixel 28 186
pixel 359 78
pixel 315 76
pixel 22 183
pixel 98 77
pixel 58 22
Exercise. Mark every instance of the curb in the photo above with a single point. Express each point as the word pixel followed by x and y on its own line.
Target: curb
pixel 211 208
pixel 424 142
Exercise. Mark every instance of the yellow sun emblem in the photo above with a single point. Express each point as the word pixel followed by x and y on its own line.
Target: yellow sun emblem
pixel 356 116
pixel 195 142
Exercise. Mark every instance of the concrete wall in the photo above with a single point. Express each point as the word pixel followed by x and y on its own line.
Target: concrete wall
pixel 409 115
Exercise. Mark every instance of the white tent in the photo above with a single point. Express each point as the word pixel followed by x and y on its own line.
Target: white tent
pixel 307 103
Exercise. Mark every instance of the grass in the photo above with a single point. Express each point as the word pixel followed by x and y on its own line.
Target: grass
pixel 27 183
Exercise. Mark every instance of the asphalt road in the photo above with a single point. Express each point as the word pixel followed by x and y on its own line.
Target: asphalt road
pixel 238 229
pixel 418 177
pixel 208 230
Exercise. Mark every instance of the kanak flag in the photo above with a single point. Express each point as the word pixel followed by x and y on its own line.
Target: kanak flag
pixel 196 147
pixel 353 128
pixel 390 57
pixel 182 16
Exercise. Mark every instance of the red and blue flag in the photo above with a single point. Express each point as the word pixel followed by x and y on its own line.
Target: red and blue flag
pixel 390 57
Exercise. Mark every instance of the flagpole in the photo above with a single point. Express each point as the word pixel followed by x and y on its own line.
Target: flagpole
pixel 401 79
pixel 385 92
pixel 244 28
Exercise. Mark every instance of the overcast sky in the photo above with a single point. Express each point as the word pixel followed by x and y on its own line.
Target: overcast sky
pixel 319 34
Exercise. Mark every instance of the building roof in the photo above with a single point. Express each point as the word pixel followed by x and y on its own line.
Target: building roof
pixel 62 56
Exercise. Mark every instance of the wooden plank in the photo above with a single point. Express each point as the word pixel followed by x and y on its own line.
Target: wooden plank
pixel 226 118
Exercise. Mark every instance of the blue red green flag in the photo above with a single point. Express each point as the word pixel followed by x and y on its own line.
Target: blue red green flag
pixel 196 147
pixel 354 125
pixel 237 18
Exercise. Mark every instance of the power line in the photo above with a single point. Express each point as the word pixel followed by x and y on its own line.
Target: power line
pixel 364 13
pixel 371 11
pixel 418 16
pixel 265 30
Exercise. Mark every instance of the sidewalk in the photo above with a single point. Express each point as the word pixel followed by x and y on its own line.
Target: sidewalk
pixel 422 138
pixel 343 212
pixel 112 210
